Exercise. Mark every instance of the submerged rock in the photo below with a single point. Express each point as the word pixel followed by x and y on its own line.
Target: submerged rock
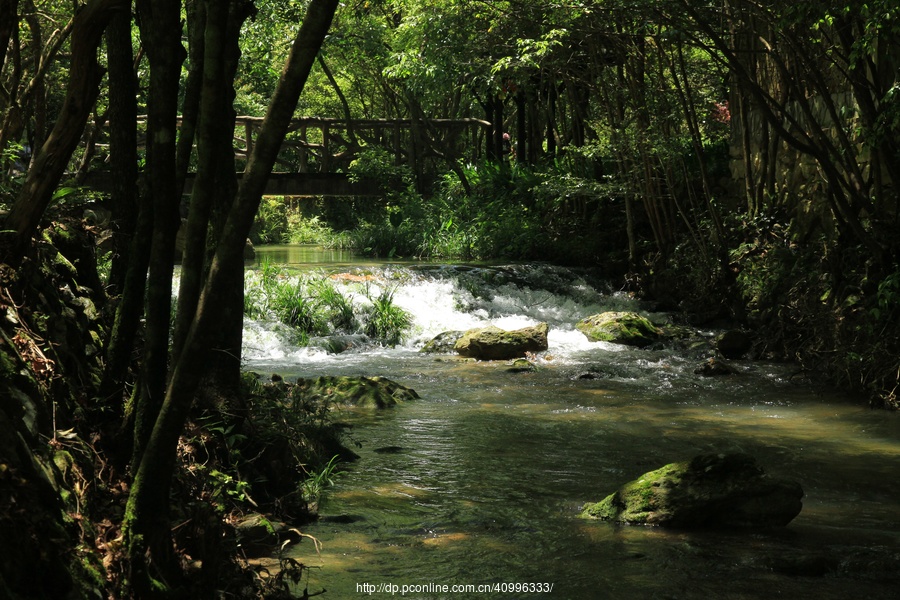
pixel 521 365
pixel 627 328
pixel 377 392
pixel 493 343
pixel 714 367
pixel 712 490
pixel 335 344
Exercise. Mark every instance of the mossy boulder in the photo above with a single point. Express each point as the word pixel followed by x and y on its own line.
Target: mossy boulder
pixel 627 328
pixel 377 392
pixel 712 490
pixel 493 343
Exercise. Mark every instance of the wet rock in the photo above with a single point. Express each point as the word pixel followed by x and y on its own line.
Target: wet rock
pixel 377 392
pixel 521 365
pixel 341 519
pixel 589 375
pixel 259 536
pixel 712 490
pixel 493 343
pixel 627 328
pixel 714 367
pixel 336 344
pixel 443 343
pixel 734 344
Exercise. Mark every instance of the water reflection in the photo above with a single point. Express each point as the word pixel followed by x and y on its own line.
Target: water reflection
pixel 296 255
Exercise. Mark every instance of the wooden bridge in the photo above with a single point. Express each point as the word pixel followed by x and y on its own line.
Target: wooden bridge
pixel 315 157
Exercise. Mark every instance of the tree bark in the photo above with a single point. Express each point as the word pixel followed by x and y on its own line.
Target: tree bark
pixel 132 212
pixel 160 25
pixel 213 195
pixel 146 525
pixel 122 145
pixel 8 22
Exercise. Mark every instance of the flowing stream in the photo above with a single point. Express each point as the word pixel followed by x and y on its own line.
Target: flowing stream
pixel 481 480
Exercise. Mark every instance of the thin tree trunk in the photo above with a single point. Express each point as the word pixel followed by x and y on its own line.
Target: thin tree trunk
pixel 161 35
pixel 132 222
pixel 146 524
pixel 345 106
pixel 122 145
pixel 190 108
pixel 204 190
pixel 8 23
pixel 160 22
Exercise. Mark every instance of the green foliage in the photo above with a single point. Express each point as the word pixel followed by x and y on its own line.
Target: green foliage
pixel 313 487
pixel 271 224
pixel 887 304
pixel 280 221
pixel 338 308
pixel 385 320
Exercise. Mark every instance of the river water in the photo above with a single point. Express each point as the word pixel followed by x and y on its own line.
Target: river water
pixel 481 480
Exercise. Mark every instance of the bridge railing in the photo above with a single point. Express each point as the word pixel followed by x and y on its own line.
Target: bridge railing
pixel 324 145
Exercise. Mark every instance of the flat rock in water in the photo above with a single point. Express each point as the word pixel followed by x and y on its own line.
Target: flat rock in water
pixel 712 490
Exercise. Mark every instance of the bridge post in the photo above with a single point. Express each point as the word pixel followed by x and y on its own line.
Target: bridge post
pixel 304 150
pixel 326 149
pixel 398 152
pixel 248 130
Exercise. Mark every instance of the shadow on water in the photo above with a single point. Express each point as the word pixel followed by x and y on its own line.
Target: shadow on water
pixel 481 480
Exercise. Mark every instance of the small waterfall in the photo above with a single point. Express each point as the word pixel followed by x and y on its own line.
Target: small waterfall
pixel 443 298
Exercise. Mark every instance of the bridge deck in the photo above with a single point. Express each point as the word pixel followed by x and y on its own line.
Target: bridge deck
pixel 278 184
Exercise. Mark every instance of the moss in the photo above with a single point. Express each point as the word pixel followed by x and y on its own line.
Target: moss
pixel 639 501
pixel 627 328
pixel 377 392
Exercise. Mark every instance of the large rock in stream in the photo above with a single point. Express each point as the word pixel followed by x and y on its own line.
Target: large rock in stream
pixel 493 343
pixel 627 328
pixel 712 490
pixel 377 392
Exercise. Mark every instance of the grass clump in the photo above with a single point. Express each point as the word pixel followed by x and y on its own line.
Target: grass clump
pixel 313 304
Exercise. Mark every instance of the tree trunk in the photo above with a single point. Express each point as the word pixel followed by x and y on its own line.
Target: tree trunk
pixel 161 35
pixel 51 159
pixel 122 145
pixel 132 212
pixel 521 129
pixel 160 22
pixel 214 192
pixel 8 23
pixel 190 108
pixel 145 525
